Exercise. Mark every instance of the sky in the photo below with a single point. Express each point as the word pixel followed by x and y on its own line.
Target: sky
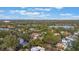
pixel 39 13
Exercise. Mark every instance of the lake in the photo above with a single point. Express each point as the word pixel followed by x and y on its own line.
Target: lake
pixel 7 28
pixel 66 27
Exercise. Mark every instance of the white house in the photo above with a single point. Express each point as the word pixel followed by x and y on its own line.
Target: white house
pixel 37 48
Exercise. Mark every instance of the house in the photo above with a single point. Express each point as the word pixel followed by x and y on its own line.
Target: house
pixel 69 38
pixel 37 48
pixel 66 33
pixel 52 30
pixel 35 35
pixel 57 34
pixel 31 29
pixel 62 32
pixel 76 33
pixel 6 21
pixel 60 46
pixel 22 42
pixel 9 26
pixel 67 42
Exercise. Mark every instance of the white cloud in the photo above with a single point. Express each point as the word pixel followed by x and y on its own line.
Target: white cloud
pixel 59 8
pixel 24 12
pixel 43 9
pixel 29 13
pixel 76 16
pixel 66 14
pixel 15 11
pixel 70 16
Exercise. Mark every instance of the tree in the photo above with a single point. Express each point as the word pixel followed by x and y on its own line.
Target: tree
pixel 51 38
pixel 10 42
pixel 1 43
pixel 25 36
pixel 4 33
pixel 75 46
pixel 36 42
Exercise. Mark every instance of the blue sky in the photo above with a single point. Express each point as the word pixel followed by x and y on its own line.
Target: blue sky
pixel 58 13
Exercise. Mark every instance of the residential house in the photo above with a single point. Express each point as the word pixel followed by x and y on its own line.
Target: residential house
pixel 35 36
pixel 60 46
pixel 22 42
pixel 57 34
pixel 37 48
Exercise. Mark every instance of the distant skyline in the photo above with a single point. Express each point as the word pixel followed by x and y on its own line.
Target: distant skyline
pixel 49 13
